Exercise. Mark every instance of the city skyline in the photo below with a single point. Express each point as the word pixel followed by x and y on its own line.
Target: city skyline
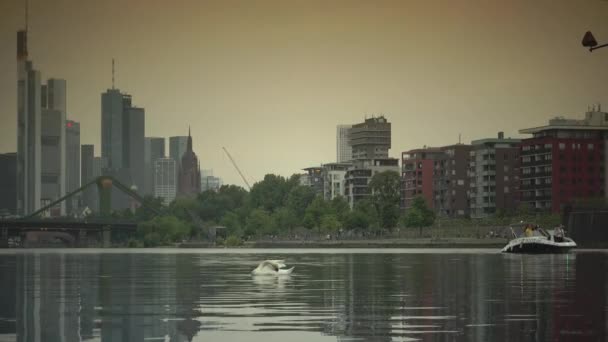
pixel 501 65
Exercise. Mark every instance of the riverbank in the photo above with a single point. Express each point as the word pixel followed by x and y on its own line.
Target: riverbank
pixel 373 243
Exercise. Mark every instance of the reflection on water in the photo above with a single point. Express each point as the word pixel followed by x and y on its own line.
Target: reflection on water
pixel 166 296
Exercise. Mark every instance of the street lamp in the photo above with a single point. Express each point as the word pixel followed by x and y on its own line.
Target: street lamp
pixel 590 42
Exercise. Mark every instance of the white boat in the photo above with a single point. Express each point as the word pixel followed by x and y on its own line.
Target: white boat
pixel 532 239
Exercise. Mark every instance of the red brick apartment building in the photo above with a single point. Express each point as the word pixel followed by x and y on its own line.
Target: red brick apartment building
pixel 440 176
pixel 564 161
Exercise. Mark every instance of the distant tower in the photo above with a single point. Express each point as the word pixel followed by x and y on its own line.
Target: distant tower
pixel 28 128
pixel 189 179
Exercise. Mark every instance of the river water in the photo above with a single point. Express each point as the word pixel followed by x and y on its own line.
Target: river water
pixel 333 295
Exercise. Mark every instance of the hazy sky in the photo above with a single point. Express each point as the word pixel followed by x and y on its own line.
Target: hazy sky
pixel 270 80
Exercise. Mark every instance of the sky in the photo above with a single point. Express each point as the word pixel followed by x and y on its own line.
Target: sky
pixel 271 80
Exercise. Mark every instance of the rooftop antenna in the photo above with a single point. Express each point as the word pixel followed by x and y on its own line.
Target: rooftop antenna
pixel 459 136
pixel 112 73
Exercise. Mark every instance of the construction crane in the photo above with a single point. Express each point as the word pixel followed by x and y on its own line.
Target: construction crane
pixel 237 168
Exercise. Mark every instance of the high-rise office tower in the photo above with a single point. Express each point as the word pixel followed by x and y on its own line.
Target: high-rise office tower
pixel 72 157
pixel 133 145
pixel 165 179
pixel 371 139
pixel 122 142
pixel 154 148
pixel 112 126
pixel 87 153
pixel 52 160
pixel 53 141
pixel 28 130
pixel 177 148
pixel 344 150
pixel 8 179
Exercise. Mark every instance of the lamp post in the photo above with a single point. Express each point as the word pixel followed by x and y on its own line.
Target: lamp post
pixel 590 42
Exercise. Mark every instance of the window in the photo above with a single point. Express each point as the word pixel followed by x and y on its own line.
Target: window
pixel 562 146
pixel 526 171
pixel 460 182
pixel 506 178
pixel 548 157
pixel 590 146
pixel 525 148
pixel 526 159
pixel 506 190
pixel 549 146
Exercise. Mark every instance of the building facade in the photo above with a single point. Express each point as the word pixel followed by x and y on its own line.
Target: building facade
pixel 8 184
pixel 344 151
pixel 154 148
pixel 313 178
pixel 29 129
pixel 370 139
pixel 72 158
pixel 133 148
pixel 165 179
pixel 440 176
pixel 419 168
pixel 494 176
pixel 189 173
pixel 564 161
pixel 360 173
pixel 334 180
pixel 122 143
pixel 87 155
pixel 177 147
pixel 53 160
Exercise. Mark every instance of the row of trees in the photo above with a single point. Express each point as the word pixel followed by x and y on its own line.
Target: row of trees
pixel 280 206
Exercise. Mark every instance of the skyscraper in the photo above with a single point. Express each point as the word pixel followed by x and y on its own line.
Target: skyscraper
pixel 122 142
pixel 344 150
pixel 165 179
pixel 133 145
pixel 111 127
pixel 72 157
pixel 371 139
pixel 177 148
pixel 86 170
pixel 189 174
pixel 28 130
pixel 53 141
pixel 52 155
pixel 154 148
pixel 8 178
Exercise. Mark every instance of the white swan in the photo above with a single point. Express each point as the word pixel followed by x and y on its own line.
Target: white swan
pixel 272 267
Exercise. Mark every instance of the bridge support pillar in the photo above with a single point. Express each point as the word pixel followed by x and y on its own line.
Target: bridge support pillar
pixel 3 237
pixel 82 238
pixel 106 237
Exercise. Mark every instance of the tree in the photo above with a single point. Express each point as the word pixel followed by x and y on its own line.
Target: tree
pixel 259 222
pixel 317 208
pixel 232 223
pixel 363 216
pixel 142 213
pixel 419 214
pixel 299 198
pixel 385 187
pixel 163 230
pixel 284 219
pixel 270 193
pixel 341 208
pixel 330 223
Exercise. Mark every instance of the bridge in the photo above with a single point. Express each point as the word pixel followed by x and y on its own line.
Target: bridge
pixel 73 231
